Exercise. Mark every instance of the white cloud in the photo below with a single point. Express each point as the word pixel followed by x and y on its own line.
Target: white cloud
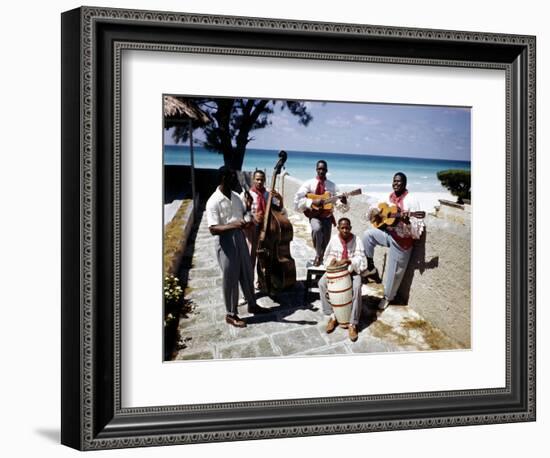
pixel 279 120
pixel 366 120
pixel 338 122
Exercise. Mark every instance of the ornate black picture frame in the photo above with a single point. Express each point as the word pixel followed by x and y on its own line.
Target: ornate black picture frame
pixel 92 415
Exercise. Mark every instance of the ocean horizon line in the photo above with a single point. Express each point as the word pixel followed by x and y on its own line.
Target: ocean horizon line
pixel 182 146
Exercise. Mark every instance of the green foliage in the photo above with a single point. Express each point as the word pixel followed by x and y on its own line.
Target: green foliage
pixel 458 182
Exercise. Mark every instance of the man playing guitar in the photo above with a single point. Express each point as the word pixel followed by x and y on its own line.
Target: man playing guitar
pixel 407 225
pixel 321 220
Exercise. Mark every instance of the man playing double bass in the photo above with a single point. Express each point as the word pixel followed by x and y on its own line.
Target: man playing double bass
pixel 321 220
pixel 256 199
pixel 225 213
pixel 277 269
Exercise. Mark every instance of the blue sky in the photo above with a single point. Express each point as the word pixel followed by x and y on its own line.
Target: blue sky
pixel 362 128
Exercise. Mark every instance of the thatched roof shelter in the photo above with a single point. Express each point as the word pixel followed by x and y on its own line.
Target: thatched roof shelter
pixel 178 109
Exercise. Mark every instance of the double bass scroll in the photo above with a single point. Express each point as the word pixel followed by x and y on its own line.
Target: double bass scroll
pixel 277 268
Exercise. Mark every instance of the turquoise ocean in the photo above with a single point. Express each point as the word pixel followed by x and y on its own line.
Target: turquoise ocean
pixel 347 170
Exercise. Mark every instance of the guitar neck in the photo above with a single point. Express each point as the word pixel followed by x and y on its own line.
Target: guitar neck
pixel 419 214
pixel 333 199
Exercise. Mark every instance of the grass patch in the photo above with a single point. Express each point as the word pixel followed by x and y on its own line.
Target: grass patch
pixel 174 233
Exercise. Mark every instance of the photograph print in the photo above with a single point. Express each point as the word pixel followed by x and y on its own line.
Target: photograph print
pixel 314 228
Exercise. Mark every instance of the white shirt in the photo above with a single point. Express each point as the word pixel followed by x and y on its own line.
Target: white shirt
pixel 221 210
pixel 301 202
pixel 356 253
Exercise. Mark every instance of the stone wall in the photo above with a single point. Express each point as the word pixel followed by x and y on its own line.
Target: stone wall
pixel 452 211
pixel 288 186
pixel 437 283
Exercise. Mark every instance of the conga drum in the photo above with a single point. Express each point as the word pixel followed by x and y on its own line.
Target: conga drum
pixel 340 292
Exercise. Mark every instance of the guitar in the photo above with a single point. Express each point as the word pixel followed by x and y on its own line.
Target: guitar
pixel 328 202
pixel 389 214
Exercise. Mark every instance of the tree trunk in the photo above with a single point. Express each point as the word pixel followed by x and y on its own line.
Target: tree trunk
pixel 234 158
pixel 238 158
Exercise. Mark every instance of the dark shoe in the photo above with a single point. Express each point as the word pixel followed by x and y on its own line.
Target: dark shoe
pixel 234 320
pixel 259 310
pixel 317 261
pixel 331 325
pixel 344 325
pixel 352 332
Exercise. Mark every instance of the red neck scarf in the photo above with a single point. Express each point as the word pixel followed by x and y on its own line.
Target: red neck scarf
pixel 345 254
pixel 394 199
pixel 260 202
pixel 320 189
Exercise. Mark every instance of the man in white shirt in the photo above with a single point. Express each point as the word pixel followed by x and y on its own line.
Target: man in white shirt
pixel 398 237
pixel 344 248
pixel 225 213
pixel 321 220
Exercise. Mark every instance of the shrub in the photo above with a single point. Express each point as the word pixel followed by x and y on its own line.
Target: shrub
pixel 456 181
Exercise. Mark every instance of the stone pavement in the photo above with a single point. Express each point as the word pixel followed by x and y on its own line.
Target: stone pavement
pixel 296 325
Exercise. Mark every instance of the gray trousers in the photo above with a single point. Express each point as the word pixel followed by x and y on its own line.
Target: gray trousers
pixel 252 235
pixel 320 234
pixel 356 298
pixel 397 260
pixel 234 262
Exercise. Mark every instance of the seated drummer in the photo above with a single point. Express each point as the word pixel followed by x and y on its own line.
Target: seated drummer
pixel 344 249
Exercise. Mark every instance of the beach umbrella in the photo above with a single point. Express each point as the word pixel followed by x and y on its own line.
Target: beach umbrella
pixel 182 110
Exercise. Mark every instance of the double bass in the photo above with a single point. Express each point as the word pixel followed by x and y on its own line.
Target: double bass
pixel 277 268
